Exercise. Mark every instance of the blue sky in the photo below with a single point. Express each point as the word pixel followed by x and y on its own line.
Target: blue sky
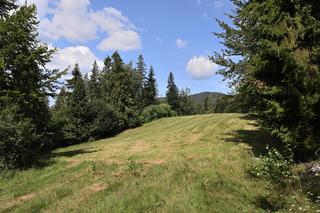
pixel 173 36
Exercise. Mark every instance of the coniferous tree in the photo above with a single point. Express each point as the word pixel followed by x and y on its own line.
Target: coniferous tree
pixel 25 85
pixel 140 81
pixel 77 108
pixel 122 93
pixel 279 70
pixel 150 89
pixel 172 95
pixel 94 84
pixel 76 76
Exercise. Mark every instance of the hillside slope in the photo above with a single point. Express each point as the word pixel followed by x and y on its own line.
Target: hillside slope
pixel 184 164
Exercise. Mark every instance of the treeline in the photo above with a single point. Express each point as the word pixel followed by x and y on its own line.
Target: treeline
pixel 103 103
pixel 106 102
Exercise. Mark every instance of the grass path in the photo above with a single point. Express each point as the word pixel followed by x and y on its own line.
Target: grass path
pixel 183 164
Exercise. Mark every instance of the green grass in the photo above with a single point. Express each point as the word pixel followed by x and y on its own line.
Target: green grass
pixel 184 164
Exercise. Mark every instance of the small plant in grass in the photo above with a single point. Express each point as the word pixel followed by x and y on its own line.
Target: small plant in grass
pixel 133 166
pixel 276 169
pixel 275 166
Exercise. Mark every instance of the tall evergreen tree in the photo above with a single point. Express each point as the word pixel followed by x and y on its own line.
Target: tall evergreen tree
pixel 150 89
pixel 140 81
pixel 26 82
pixel 94 84
pixel 76 76
pixel 122 93
pixel 279 45
pixel 77 107
pixel 172 95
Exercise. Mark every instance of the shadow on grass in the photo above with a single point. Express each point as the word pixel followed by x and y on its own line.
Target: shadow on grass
pixel 72 153
pixel 257 139
pixel 49 159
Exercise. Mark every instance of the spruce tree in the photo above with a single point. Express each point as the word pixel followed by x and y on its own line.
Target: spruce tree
pixel 77 108
pixel 172 95
pixel 150 89
pixel 94 84
pixel 26 82
pixel 122 93
pixel 76 76
pixel 140 81
pixel 279 46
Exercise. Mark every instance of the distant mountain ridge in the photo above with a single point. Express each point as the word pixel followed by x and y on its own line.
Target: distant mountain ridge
pixel 200 97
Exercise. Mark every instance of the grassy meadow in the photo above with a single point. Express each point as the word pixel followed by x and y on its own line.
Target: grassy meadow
pixel 183 164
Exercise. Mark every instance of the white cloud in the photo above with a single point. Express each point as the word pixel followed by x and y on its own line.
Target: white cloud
pixel 200 67
pixel 69 56
pixel 121 34
pixel 181 43
pixel 121 40
pixel 70 21
pixel 65 19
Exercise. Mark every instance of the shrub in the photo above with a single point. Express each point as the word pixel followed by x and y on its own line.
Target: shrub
pixel 154 112
pixel 275 166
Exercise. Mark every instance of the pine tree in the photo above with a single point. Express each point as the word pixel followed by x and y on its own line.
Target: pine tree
pixel 140 81
pixel 77 108
pixel 26 82
pixel 150 89
pixel 122 92
pixel 61 101
pixel 76 76
pixel 279 70
pixel 172 95
pixel 94 84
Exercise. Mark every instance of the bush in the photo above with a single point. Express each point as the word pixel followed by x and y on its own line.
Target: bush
pixel 154 112
pixel 19 142
pixel 275 166
pixel 104 120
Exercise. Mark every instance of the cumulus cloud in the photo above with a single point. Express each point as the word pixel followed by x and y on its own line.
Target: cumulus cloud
pixel 65 19
pixel 200 67
pixel 121 34
pixel 69 21
pixel 181 43
pixel 69 56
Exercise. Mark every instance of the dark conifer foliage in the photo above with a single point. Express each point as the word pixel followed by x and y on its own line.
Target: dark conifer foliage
pixel 172 95
pixel 279 71
pixel 25 85
pixel 150 89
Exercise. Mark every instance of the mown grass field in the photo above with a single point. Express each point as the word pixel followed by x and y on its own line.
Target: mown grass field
pixel 184 164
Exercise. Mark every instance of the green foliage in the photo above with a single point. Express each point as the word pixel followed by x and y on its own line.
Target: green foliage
pixel 154 112
pixel 172 95
pixel 150 89
pixel 272 57
pixel 208 105
pixel 231 104
pixel 25 85
pixel 19 143
pixel 275 167
pixel 186 104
